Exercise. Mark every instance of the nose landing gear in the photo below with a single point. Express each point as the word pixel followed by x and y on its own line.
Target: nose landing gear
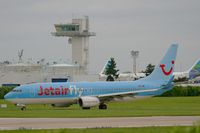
pixel 23 108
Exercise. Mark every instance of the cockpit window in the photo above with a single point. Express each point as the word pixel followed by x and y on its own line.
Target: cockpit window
pixel 16 90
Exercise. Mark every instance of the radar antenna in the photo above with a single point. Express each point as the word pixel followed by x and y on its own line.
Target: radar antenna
pixel 20 54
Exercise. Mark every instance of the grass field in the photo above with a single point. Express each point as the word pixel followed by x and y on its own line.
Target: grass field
pixel 156 106
pixel 191 129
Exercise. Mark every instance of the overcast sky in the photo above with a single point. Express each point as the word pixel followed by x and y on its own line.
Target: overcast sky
pixel 149 26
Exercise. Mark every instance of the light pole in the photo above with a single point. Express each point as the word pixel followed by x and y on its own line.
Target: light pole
pixel 134 55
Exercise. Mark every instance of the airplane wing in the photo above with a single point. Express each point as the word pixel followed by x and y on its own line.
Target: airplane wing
pixel 110 97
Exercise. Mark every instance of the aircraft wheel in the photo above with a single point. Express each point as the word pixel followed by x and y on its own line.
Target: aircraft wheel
pixel 103 106
pixel 23 108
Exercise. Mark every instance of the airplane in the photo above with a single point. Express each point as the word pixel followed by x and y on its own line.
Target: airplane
pixel 122 76
pixel 91 94
pixel 191 73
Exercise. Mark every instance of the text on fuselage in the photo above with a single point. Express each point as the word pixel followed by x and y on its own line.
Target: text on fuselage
pixel 60 90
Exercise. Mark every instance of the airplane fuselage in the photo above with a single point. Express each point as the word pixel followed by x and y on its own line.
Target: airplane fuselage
pixel 52 93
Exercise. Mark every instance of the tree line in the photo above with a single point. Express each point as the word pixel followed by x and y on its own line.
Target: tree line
pixel 112 74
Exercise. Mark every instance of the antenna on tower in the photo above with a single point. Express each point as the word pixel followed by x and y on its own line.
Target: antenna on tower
pixel 20 54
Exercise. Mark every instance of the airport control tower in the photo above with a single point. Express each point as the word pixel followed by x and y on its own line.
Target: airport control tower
pixel 78 33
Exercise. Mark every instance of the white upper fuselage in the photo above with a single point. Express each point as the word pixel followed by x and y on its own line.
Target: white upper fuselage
pixel 178 75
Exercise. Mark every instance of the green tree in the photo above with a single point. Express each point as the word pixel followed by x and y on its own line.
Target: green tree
pixel 111 70
pixel 149 69
pixel 4 90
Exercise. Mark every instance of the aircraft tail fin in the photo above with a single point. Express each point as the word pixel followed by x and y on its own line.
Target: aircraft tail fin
pixel 194 71
pixel 163 72
pixel 104 68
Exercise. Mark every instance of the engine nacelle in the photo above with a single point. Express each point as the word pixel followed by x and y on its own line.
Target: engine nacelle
pixel 87 101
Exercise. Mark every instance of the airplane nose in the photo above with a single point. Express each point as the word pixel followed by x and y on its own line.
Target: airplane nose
pixel 7 96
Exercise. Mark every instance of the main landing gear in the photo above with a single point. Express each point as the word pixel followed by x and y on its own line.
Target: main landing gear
pixel 102 106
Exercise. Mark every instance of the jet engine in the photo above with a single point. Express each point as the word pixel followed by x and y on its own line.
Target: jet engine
pixel 87 102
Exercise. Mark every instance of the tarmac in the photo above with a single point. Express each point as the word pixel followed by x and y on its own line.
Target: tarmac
pixel 57 123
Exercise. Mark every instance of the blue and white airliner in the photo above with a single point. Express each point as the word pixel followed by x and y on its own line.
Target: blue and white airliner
pixel 90 94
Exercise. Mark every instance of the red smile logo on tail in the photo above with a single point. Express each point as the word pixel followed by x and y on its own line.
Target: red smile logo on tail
pixel 162 66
